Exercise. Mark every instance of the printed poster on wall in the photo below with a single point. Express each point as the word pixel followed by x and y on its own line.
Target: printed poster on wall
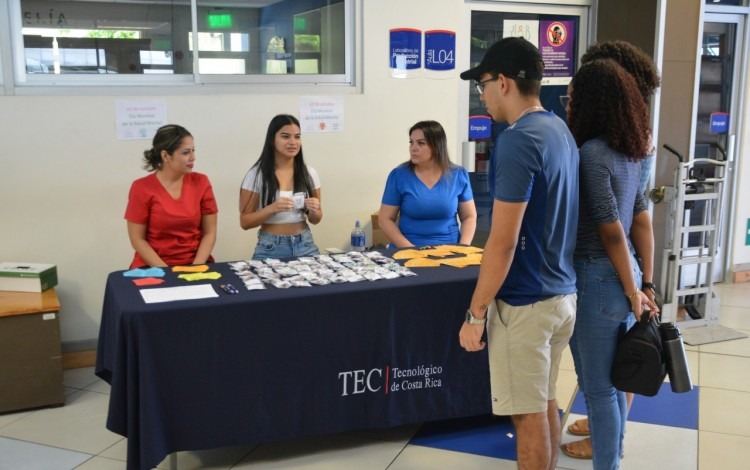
pixel 556 42
pixel 557 45
pixel 527 29
pixel 321 113
pixel 405 56
pixel 139 120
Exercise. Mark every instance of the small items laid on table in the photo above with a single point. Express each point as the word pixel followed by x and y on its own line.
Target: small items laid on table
pixel 146 276
pixel 457 256
pixel 152 276
pixel 229 289
pixel 307 271
pixel 304 271
pixel 210 275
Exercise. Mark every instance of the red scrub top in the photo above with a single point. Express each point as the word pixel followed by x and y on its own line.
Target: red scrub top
pixel 173 226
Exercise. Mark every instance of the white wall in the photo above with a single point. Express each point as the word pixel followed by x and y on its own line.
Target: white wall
pixel 65 177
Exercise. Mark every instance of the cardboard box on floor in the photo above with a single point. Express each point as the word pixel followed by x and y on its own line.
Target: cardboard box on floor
pixel 378 237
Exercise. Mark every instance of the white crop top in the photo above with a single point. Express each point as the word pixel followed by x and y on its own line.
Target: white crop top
pixel 250 183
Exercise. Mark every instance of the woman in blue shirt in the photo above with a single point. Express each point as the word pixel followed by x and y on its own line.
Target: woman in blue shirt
pixel 427 193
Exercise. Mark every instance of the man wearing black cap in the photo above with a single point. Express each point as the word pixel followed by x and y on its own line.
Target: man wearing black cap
pixel 526 290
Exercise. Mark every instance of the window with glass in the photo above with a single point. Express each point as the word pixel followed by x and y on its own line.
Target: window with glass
pixel 726 2
pixel 229 37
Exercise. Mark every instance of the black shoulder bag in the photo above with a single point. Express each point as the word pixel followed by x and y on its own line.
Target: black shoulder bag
pixel 639 365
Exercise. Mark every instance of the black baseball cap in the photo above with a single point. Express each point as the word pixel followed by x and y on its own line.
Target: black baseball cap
pixel 512 57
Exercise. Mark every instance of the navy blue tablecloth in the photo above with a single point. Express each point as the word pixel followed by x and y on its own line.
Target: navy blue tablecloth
pixel 282 363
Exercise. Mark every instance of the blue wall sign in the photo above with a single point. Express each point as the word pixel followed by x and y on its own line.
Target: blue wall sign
pixel 439 50
pixel 406 49
pixel 480 127
pixel 719 123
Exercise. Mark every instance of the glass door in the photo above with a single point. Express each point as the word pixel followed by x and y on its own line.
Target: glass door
pixel 561 34
pixel 715 116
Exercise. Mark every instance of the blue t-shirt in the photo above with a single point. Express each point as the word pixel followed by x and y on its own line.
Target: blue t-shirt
pixel 535 160
pixel 427 216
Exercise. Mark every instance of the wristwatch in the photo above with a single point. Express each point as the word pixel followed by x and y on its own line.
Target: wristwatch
pixel 649 285
pixel 472 320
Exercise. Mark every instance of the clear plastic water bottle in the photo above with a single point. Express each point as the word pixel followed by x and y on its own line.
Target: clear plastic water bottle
pixel 358 238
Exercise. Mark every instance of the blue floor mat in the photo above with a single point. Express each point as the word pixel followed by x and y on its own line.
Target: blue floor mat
pixel 487 435
pixel 665 409
pixel 494 436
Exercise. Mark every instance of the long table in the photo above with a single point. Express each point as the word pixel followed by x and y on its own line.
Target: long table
pixel 277 364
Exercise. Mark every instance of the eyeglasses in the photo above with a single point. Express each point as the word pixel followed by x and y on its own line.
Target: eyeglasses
pixel 480 85
pixel 565 100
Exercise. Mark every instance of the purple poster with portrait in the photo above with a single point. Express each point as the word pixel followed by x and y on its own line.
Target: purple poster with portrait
pixel 557 45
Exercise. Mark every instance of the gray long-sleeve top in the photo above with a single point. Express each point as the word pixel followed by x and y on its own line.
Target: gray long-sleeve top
pixel 608 192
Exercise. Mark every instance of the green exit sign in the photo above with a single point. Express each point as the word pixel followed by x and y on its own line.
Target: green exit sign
pixel 747 236
pixel 219 20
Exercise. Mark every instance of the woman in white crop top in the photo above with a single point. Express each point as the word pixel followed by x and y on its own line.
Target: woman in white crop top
pixel 280 194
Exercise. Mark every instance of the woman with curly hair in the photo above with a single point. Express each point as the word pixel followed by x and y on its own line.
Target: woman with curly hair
pixel 609 120
pixel 633 59
pixel 642 68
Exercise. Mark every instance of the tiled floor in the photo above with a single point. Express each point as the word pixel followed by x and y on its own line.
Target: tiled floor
pixel 706 429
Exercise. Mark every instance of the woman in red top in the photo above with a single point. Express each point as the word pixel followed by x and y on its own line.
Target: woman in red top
pixel 171 213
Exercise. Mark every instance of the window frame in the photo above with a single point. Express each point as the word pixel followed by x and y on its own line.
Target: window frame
pixel 25 83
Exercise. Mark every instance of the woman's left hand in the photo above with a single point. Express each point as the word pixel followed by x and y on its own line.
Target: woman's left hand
pixel 312 204
pixel 641 302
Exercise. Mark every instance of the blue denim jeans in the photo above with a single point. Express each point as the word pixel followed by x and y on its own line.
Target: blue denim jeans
pixel 602 317
pixel 271 245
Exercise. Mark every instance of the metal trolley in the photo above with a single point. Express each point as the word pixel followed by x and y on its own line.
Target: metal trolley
pixel 692 236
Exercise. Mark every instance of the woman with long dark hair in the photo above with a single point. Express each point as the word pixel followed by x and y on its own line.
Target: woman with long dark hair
pixel 280 194
pixel 609 120
pixel 641 66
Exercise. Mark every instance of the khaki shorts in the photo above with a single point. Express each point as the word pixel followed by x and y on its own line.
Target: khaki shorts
pixel 525 345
